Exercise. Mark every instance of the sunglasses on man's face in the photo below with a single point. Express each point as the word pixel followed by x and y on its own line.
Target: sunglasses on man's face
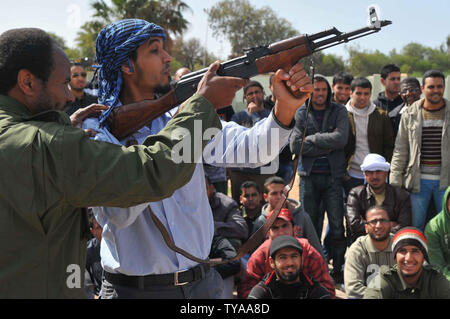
pixel 75 75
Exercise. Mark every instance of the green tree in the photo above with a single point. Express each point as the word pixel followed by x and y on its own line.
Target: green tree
pixel 71 53
pixel 448 44
pixel 246 26
pixel 365 63
pixel 413 59
pixel 190 54
pixel 166 13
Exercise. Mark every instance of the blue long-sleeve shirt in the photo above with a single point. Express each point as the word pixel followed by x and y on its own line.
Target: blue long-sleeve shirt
pixel 131 243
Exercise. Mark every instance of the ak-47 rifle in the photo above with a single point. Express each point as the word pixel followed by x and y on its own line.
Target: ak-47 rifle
pixel 127 119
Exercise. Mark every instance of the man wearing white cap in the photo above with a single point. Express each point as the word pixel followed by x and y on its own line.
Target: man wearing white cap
pixel 377 191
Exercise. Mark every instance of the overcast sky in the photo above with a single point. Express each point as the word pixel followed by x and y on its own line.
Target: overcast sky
pixel 425 22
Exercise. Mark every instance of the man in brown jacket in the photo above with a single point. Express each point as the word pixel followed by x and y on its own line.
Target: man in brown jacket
pixel 395 200
pixel 370 132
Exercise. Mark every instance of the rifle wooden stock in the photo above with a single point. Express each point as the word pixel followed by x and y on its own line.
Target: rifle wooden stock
pixel 127 119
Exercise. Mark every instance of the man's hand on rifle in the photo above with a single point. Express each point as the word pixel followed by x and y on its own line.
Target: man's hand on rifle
pixel 219 90
pixel 287 104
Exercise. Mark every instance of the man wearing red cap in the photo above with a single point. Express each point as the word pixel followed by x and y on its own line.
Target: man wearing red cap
pixel 259 264
pixel 410 278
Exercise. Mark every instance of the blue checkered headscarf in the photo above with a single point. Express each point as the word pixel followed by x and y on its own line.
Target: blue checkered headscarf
pixel 114 45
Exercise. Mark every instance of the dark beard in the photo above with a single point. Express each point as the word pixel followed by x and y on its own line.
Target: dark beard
pixel 161 90
pixel 287 278
pixel 381 238
pixel 44 103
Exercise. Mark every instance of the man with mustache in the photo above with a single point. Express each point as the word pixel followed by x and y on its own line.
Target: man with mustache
pixel 377 191
pixel 52 170
pixel 409 278
pixel 288 280
pixel 259 263
pixel 323 166
pixel 368 253
pixel 421 160
pixel 135 68
pixel 409 92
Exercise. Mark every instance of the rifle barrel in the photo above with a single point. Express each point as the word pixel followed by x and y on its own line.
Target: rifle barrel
pixel 348 36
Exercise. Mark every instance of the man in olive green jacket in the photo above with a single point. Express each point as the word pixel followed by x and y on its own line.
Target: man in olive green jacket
pixel 409 278
pixel 51 170
pixel 437 233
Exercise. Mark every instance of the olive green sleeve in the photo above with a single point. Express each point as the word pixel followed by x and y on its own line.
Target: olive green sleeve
pixel 103 174
pixel 378 288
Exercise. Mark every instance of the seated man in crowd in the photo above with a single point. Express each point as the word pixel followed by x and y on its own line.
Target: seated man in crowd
pixel 368 253
pixel 303 226
pixel 409 278
pixel 395 200
pixel 259 264
pixel 228 221
pixel 250 200
pixel 287 280
pixel 437 232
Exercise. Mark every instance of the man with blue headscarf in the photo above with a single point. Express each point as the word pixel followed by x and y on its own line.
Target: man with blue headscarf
pixel 135 67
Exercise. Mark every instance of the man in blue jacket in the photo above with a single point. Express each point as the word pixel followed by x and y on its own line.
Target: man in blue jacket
pixel 323 164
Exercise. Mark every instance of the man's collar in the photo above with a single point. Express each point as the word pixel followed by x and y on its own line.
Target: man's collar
pixel 373 193
pixel 13 106
pixel 404 286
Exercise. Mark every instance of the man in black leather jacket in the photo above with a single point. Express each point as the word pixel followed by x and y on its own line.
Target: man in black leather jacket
pixel 377 191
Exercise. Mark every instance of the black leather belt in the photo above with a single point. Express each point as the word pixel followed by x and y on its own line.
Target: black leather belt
pixel 178 278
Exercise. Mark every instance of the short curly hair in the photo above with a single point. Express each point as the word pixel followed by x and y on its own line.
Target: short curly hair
pixel 24 48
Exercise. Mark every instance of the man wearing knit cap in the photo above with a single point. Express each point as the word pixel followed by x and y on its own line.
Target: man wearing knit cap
pixel 287 280
pixel 135 68
pixel 410 278
pixel 377 191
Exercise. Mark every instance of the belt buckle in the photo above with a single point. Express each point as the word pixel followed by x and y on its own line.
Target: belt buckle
pixel 177 283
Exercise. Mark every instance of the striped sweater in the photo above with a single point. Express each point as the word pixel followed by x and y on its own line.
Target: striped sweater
pixel 430 161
